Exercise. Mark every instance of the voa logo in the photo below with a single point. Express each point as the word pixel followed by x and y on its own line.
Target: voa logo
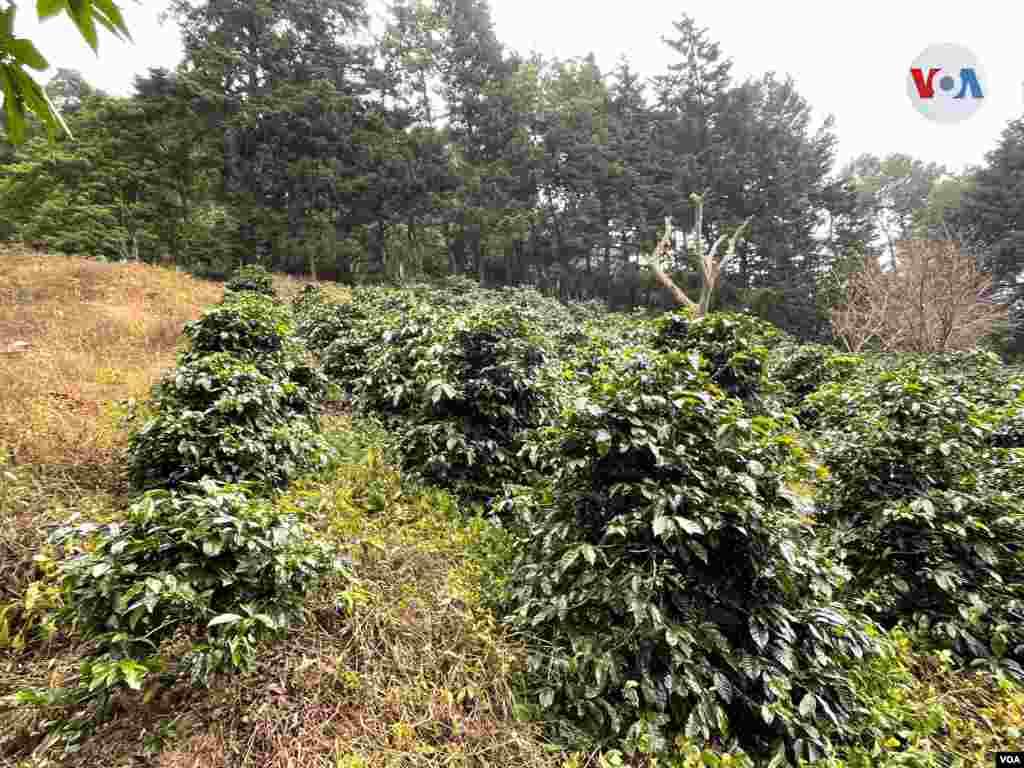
pixel 1009 758
pixel 946 83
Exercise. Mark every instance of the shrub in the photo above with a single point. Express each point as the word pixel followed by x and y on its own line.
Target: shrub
pixel 932 541
pixel 251 277
pixel 669 584
pixel 320 323
pixel 394 350
pixel 211 557
pixel 478 395
pixel 217 416
pixel 734 347
pixel 372 331
pixel 248 325
pixel 801 370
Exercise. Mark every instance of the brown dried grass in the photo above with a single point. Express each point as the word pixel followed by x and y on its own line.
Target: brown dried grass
pixel 99 334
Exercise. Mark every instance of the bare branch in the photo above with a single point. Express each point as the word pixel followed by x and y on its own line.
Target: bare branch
pixel 935 298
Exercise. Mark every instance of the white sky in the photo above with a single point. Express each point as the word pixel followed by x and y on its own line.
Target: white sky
pixel 848 59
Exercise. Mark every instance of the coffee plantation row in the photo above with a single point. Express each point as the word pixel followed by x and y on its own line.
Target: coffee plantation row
pixel 672 581
pixel 713 530
pixel 206 550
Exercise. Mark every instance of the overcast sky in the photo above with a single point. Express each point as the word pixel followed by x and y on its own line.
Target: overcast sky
pixel 848 59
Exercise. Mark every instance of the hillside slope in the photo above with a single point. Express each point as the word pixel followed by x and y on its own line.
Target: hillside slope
pixel 403 665
pixel 403 668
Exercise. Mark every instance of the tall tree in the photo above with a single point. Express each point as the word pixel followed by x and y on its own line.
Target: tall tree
pixel 991 215
pixel 896 189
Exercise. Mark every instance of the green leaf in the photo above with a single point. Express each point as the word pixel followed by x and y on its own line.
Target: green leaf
pixel 589 553
pixel 47 8
pixel 224 618
pixel 747 482
pixel 14 106
pixel 81 12
pixel 690 526
pixel 109 15
pixel 133 674
pixel 25 52
pixel 7 22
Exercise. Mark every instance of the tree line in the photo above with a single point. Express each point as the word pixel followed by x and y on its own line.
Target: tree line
pixel 294 136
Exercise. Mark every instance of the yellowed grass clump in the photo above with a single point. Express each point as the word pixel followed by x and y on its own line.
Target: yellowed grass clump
pixel 97 335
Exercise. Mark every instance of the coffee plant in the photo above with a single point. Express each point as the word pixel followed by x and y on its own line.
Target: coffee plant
pixel 477 397
pixel 191 557
pixel 209 563
pixel 251 277
pixel 668 580
pixel 248 325
pixel 220 417
pixel 734 348
pixel 933 542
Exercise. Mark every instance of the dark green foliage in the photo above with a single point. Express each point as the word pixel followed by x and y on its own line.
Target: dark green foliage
pixel 476 403
pixel 247 325
pixel 221 417
pixel 667 579
pixel 395 348
pixel 1010 431
pixel 801 370
pixel 734 348
pixel 232 567
pixel 322 324
pixel 251 277
pixel 932 541
pixel 672 329
pixel 241 406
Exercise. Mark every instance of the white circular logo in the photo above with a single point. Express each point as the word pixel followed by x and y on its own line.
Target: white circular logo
pixel 946 83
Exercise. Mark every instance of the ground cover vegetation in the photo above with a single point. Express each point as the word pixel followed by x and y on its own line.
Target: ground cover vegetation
pixel 529 533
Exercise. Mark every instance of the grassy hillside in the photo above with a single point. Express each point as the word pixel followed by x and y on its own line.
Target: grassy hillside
pixel 405 662
pixel 403 668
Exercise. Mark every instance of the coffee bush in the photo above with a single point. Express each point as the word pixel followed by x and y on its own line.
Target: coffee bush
pixel 210 558
pixel 251 277
pixel 248 325
pixel 734 347
pixel 221 417
pixel 667 578
pixel 912 504
pixel 477 395
pixel 320 322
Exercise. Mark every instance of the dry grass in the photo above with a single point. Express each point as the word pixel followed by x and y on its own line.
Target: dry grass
pixel 99 334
